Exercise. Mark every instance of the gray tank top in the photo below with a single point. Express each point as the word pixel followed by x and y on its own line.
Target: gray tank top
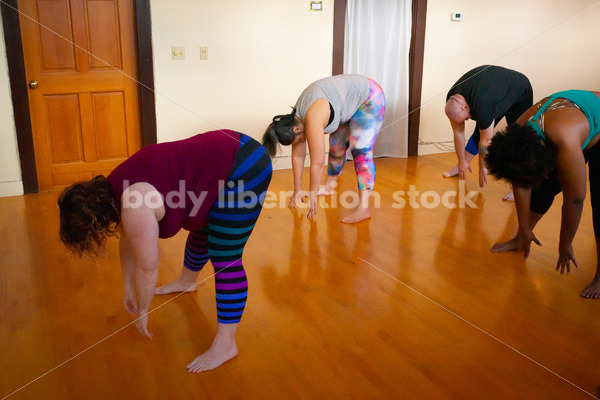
pixel 345 93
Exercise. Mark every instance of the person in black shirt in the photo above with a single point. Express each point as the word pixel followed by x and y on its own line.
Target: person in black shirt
pixel 485 94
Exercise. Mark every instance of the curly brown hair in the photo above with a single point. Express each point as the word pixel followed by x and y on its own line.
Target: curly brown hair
pixel 88 215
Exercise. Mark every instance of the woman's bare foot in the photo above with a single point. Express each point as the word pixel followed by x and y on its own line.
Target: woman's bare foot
pixel 176 287
pixel 592 291
pixel 510 245
pixel 323 191
pixel 329 187
pixel 454 171
pixel 185 283
pixel 358 215
pixel 213 358
pixel 451 173
pixel 362 210
pixel 222 350
pixel 510 196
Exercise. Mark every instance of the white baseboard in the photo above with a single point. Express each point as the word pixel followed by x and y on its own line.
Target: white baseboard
pixel 285 162
pixel 14 188
pixel 427 149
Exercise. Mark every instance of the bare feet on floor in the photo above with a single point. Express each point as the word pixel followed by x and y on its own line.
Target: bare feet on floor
pixel 328 188
pixel 593 290
pixel 358 215
pixel 219 353
pixel 510 196
pixel 324 191
pixel 510 245
pixel 451 173
pixel 177 286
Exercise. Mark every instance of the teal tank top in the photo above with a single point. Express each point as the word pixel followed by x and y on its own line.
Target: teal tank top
pixel 585 100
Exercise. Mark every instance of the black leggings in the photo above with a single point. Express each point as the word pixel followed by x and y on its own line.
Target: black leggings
pixel 543 195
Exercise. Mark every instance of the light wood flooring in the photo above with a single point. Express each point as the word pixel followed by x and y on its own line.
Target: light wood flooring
pixel 410 304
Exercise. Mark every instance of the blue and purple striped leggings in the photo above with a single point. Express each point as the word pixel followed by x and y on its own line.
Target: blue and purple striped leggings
pixel 230 223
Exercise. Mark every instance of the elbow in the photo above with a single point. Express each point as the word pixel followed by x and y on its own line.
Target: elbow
pixel 575 202
pixel 578 202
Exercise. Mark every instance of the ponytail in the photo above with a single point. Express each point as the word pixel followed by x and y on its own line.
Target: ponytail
pixel 280 131
pixel 269 141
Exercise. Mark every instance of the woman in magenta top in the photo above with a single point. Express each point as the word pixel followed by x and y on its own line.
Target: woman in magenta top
pixel 212 185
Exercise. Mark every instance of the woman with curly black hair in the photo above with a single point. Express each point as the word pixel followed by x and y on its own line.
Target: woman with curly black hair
pixel 545 153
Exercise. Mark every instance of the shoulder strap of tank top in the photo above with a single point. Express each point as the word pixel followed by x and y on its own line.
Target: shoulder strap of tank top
pixel 534 123
pixel 543 108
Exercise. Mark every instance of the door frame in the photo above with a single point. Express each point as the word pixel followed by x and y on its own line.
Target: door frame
pixel 20 99
pixel 416 57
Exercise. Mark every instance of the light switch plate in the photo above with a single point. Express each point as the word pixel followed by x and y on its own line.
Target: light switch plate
pixel 178 53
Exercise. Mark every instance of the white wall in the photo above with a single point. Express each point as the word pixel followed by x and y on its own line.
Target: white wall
pixel 261 55
pixel 10 170
pixel 512 34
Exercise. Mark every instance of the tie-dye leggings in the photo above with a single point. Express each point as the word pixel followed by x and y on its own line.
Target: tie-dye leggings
pixel 359 134
pixel 230 223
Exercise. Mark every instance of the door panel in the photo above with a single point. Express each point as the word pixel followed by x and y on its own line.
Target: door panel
pixel 64 128
pixel 84 111
pixel 102 17
pixel 110 125
pixel 57 52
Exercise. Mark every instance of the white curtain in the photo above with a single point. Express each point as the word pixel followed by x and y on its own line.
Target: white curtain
pixel 377 43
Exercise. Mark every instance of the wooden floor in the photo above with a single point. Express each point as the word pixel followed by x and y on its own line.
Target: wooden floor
pixel 408 305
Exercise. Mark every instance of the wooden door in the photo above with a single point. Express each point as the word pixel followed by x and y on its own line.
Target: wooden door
pixel 80 61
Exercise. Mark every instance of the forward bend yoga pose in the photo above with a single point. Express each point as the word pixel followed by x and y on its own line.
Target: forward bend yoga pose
pixel 545 153
pixel 351 109
pixel 212 185
pixel 485 94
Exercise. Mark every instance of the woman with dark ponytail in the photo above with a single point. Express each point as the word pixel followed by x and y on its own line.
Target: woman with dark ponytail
pixel 281 131
pixel 351 109
pixel 212 185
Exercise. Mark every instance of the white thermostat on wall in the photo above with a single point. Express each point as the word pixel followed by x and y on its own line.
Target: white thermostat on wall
pixel 316 6
pixel 456 16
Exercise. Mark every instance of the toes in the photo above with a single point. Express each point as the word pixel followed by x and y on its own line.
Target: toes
pixel 195 367
pixel 200 364
pixel 509 197
pixel 590 293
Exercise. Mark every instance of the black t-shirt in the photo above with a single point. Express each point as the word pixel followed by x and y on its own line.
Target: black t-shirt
pixel 490 91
